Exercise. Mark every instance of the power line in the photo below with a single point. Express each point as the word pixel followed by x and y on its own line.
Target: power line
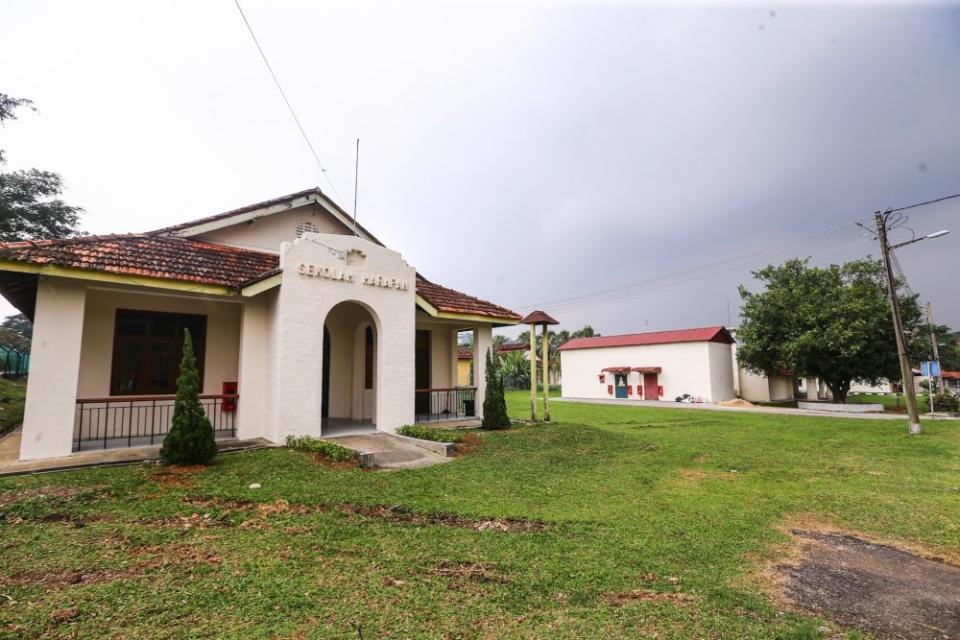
pixel 923 204
pixel 667 282
pixel 682 275
pixel 286 100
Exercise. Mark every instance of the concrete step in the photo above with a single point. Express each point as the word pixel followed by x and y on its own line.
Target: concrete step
pixel 390 452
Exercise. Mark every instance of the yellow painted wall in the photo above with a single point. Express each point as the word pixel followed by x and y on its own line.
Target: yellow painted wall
pixel 96 350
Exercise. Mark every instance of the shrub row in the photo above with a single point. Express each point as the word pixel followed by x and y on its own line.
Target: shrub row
pixel 428 433
pixel 325 448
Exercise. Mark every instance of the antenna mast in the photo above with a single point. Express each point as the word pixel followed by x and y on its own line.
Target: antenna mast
pixel 356 180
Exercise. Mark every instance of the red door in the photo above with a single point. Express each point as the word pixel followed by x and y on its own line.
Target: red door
pixel 650 387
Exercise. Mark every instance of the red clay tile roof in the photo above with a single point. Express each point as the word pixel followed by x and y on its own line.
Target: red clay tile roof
pixel 704 334
pixel 514 346
pixel 950 375
pixel 538 317
pixel 464 354
pixel 450 301
pixel 182 259
pixel 164 257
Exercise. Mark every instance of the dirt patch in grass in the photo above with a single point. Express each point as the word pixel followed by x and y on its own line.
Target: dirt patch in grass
pixel 470 443
pixel 646 595
pixel 406 516
pixel 176 475
pixel 873 587
pixel 49 494
pixel 398 514
pixel 461 572
pixel 159 557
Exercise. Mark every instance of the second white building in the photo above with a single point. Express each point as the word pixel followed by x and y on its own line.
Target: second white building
pixel 658 365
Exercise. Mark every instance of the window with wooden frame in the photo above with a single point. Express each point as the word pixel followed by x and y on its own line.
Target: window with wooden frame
pixel 147 349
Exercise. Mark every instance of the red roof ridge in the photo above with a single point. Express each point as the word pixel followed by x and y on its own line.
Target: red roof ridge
pixel 666 336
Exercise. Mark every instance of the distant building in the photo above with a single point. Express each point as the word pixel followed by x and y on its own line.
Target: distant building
pixel 658 365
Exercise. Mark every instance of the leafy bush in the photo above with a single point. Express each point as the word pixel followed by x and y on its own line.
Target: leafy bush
pixel 325 448
pixel 515 370
pixel 494 403
pixel 11 418
pixel 428 433
pixel 946 402
pixel 190 440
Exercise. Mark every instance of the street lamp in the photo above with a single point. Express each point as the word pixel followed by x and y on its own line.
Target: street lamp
pixel 935 234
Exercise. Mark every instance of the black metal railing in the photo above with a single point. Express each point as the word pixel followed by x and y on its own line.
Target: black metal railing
pixel 135 421
pixel 433 405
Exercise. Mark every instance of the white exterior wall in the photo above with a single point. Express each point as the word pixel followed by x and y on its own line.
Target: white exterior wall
pixel 781 388
pixel 303 306
pixel 721 371
pixel 754 387
pixel 691 367
pixel 54 369
pixel 268 233
pixel 254 374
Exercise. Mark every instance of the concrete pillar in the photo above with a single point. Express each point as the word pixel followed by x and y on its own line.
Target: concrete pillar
pixel 254 368
pixel 812 389
pixel 482 340
pixel 50 411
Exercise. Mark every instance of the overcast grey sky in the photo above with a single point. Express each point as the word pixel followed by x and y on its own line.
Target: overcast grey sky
pixel 522 152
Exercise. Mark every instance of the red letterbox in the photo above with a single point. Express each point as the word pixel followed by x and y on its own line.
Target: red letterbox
pixel 639 390
pixel 629 390
pixel 660 391
pixel 610 389
pixel 229 404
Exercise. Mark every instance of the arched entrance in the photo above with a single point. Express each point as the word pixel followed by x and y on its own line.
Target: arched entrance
pixel 349 402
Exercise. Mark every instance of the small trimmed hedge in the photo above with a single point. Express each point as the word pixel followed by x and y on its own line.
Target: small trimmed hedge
pixel 428 433
pixel 325 448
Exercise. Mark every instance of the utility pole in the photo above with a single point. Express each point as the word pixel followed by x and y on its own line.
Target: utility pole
pixel 533 372
pixel 906 374
pixel 934 386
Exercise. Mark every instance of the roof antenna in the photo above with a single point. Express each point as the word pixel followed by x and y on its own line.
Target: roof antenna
pixel 356 179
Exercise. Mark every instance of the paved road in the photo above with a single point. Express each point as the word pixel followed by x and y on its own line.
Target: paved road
pixel 708 406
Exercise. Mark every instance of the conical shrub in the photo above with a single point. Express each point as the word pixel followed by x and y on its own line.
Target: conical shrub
pixel 190 440
pixel 494 403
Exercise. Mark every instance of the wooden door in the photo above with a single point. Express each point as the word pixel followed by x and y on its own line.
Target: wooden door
pixel 650 391
pixel 422 371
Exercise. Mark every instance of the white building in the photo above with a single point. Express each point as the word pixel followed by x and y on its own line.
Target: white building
pixel 303 322
pixel 659 365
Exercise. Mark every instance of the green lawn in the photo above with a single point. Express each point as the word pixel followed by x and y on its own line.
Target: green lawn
pixel 653 523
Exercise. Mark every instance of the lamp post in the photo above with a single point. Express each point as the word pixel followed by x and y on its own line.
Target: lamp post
pixel 535 319
pixel 906 373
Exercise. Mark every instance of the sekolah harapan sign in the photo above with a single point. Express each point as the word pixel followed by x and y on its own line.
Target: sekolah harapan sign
pixel 339 274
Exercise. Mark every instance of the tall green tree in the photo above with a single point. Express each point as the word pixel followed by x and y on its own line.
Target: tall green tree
pixel 832 323
pixel 30 203
pixel 190 440
pixel 948 347
pixel 19 323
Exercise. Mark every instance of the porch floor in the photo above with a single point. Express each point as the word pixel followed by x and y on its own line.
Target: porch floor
pixel 11 465
pixel 336 427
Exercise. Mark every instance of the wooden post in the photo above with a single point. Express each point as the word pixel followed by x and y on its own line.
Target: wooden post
pixel 533 372
pixel 546 377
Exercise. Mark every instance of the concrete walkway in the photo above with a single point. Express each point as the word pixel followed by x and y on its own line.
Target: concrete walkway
pixel 390 452
pixel 11 466
pixel 709 406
